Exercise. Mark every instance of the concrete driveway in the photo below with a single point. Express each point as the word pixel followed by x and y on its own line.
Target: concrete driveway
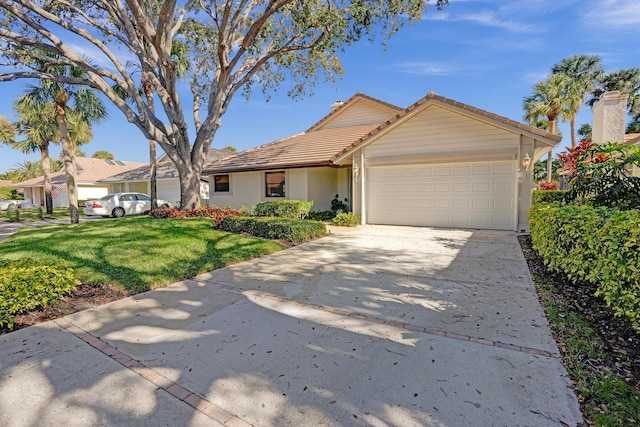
pixel 370 326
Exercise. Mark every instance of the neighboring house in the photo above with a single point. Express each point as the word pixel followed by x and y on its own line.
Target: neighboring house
pixel 90 171
pixel 436 163
pixel 167 181
pixel 5 183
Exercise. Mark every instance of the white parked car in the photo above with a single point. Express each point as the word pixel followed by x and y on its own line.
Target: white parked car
pixel 120 204
pixel 10 204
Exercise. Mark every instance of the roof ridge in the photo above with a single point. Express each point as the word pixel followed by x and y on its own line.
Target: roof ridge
pixel 347 102
pixel 460 105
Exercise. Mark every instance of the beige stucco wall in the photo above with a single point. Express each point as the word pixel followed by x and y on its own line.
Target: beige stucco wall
pixel 323 187
pixel 525 184
pixel 247 188
pixel 609 118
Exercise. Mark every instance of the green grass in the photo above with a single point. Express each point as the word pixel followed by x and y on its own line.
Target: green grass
pixel 31 215
pixel 608 399
pixel 136 253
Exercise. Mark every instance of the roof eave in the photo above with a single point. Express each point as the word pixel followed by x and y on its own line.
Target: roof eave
pixel 257 168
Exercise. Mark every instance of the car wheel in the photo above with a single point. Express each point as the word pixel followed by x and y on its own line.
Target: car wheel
pixel 164 206
pixel 118 212
pixel 12 207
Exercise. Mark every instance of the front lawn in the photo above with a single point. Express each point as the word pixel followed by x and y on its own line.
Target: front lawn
pixel 30 215
pixel 136 253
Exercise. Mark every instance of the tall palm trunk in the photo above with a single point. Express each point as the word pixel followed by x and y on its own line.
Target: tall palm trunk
pixel 574 138
pixel 69 157
pixel 552 129
pixel 46 172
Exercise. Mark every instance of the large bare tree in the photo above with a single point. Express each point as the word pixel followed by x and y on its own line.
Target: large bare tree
pixel 231 45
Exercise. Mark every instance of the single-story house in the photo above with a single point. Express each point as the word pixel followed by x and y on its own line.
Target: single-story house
pixel 438 162
pixel 167 181
pixel 90 171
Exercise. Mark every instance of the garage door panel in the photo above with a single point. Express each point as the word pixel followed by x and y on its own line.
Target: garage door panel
pixel 477 195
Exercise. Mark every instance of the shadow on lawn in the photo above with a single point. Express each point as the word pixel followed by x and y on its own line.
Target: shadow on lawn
pixel 137 254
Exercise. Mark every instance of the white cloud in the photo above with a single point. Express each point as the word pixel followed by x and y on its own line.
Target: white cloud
pixel 613 14
pixel 488 18
pixel 424 68
pixel 534 77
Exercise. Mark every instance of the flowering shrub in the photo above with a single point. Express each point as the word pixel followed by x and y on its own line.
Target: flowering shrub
pixel 215 212
pixel 548 185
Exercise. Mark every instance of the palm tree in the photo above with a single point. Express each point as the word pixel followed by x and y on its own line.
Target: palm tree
pixel 7 132
pixel 627 82
pixel 548 100
pixel 585 131
pixel 103 154
pixel 82 105
pixel 38 124
pixel 584 71
pixel 25 171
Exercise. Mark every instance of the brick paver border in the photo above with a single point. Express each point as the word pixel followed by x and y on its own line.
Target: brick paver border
pixel 394 323
pixel 220 415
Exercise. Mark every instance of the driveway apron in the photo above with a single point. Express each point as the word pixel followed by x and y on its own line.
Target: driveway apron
pixel 376 325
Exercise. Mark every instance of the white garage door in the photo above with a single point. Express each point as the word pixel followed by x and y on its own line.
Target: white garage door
pixel 467 195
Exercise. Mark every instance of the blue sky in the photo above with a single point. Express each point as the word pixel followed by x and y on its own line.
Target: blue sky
pixel 487 54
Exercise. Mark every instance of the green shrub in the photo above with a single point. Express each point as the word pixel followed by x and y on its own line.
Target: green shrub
pixel 593 244
pixel 294 209
pixel 291 230
pixel 14 215
pixel 338 205
pixel 26 284
pixel 321 215
pixel 548 196
pixel 214 212
pixel 603 176
pixel 348 219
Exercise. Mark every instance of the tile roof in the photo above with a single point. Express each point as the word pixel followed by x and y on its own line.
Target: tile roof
pixel 324 147
pixel 164 169
pixel 89 171
pixel 5 183
pixel 303 150
pixel 632 138
pixel 431 96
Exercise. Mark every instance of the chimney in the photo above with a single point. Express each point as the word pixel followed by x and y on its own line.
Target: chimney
pixel 336 104
pixel 609 118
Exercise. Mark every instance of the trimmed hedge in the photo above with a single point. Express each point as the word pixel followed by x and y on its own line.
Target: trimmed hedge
pixel 26 284
pixel 596 245
pixel 214 212
pixel 548 196
pixel 291 230
pixel 294 209
pixel 348 219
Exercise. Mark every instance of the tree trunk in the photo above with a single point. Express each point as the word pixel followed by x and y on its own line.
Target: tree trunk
pixel 574 138
pixel 189 187
pixel 552 129
pixel 147 87
pixel 69 160
pixel 46 172
pixel 152 174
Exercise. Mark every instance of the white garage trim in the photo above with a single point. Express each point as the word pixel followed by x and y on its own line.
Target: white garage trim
pixel 466 195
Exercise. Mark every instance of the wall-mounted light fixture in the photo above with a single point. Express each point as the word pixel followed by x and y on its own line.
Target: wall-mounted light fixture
pixel 356 171
pixel 526 162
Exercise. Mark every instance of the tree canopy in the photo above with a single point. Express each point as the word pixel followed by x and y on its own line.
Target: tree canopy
pixel 229 46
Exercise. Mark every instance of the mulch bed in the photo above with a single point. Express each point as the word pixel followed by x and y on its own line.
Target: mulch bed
pixel 621 342
pixel 81 298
